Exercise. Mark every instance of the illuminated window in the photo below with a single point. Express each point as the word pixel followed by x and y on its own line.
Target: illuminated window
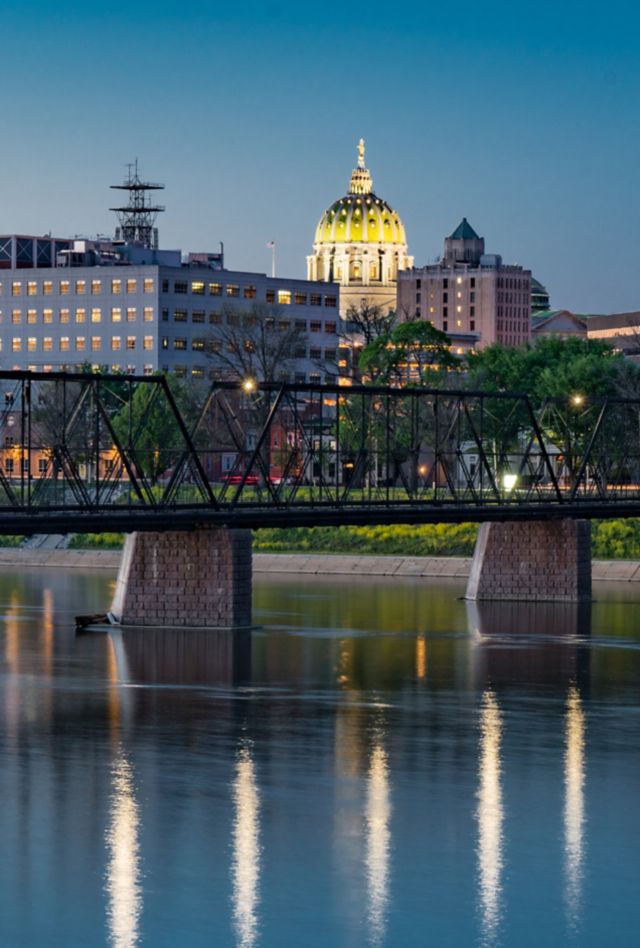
pixel 80 315
pixel 64 343
pixel 96 315
pixel 148 285
pixel 81 287
pixel 116 314
pixel 458 279
pixel 147 342
pixel 96 287
pixel 284 297
pixel 233 289
pixel 32 316
pixel 215 289
pixel 16 344
pixel 47 344
pixel 116 343
pixel 180 316
pixel 249 292
pixel 64 288
pixel 32 344
pixel 180 371
pixel 197 316
pixel 80 343
pixel 131 342
pixel 16 316
pixel 32 288
pixel 132 312
pixel 116 287
pixel 115 367
pixel 300 299
pixel 458 309
pixel 132 286
pixel 197 345
pixel 16 288
pixel 197 287
pixel 458 323
pixel 165 342
pixel 197 372
pixel 179 343
pixel 64 315
pixel 47 316
pixel 148 314
pixel 95 343
pixel 459 294
pixel 148 369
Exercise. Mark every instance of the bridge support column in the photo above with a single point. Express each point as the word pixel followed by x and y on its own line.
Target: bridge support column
pixel 532 561
pixel 200 578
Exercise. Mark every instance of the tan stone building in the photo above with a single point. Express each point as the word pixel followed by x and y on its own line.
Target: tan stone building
pixel 360 243
pixel 471 295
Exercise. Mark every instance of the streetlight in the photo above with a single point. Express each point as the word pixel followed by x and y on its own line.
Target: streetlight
pixel 577 400
pixel 249 385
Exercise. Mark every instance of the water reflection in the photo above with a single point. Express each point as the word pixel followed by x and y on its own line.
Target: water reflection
pixel 574 804
pixel 378 840
pixel 246 849
pixel 490 818
pixel 123 877
pixel 421 657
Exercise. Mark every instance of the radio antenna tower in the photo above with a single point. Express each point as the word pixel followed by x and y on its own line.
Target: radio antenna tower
pixel 138 217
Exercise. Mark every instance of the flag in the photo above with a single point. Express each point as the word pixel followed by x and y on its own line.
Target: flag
pixel 271 244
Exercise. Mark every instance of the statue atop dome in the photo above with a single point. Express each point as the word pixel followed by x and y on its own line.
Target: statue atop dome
pixel 361 153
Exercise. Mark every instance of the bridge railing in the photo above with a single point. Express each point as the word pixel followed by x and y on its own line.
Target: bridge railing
pixel 107 444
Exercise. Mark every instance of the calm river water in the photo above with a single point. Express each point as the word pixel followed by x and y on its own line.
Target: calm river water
pixel 381 764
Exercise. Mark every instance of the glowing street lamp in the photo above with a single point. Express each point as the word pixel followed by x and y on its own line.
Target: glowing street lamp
pixel 577 400
pixel 249 385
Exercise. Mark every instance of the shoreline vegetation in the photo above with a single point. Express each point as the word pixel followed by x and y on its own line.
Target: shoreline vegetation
pixel 611 540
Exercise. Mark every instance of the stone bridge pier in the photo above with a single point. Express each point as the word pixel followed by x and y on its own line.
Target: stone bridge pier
pixel 533 561
pixel 199 578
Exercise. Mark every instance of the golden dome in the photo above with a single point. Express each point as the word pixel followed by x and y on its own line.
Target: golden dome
pixel 360 217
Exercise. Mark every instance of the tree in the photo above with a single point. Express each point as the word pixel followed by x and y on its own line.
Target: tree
pixel 369 320
pixel 258 344
pixel 412 353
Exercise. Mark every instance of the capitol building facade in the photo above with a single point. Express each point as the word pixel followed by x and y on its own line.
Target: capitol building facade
pixel 360 243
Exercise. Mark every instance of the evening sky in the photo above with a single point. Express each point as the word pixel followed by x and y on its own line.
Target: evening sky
pixel 522 117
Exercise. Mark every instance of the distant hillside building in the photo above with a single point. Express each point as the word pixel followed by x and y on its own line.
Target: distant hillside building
pixel 558 322
pixel 540 302
pixel 471 295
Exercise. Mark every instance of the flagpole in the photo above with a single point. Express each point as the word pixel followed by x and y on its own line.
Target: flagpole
pixel 273 259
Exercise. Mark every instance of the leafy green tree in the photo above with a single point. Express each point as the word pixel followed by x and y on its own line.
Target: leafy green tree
pixel 412 353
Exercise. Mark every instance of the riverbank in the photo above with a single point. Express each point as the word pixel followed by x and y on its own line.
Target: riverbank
pixel 312 564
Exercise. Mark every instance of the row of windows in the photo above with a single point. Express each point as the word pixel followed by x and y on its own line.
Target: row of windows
pixel 248 292
pixel 248 319
pixel 199 372
pixel 80 287
pixel 117 314
pixel 200 344
pixel 80 343
pixel 445 282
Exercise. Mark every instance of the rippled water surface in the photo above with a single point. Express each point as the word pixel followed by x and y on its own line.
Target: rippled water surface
pixel 378 764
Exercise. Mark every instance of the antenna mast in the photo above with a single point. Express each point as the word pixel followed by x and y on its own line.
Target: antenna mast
pixel 136 220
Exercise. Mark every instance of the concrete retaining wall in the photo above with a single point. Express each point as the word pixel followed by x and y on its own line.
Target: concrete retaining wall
pixel 318 564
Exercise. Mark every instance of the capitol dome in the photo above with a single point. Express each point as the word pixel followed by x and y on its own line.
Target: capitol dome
pixel 360 243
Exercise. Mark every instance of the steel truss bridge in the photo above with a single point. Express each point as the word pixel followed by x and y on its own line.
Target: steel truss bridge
pixel 94 453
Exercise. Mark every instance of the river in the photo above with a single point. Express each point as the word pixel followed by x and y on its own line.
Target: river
pixel 378 764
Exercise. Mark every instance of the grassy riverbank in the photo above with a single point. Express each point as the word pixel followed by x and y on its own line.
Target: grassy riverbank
pixel 612 539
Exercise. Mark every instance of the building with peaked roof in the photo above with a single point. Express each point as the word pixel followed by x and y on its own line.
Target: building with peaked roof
pixel 471 295
pixel 558 322
pixel 360 243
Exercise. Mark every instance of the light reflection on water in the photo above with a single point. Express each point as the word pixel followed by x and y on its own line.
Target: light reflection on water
pixel 378 839
pixel 574 766
pixel 246 849
pixel 490 818
pixel 123 879
pixel 417 775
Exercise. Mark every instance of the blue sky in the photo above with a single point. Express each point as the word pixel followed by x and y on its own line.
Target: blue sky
pixel 522 117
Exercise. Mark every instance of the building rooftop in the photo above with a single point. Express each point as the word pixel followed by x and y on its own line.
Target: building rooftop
pixel 464 231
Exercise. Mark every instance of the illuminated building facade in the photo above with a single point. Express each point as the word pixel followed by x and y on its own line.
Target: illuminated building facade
pixel 139 310
pixel 360 243
pixel 471 295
